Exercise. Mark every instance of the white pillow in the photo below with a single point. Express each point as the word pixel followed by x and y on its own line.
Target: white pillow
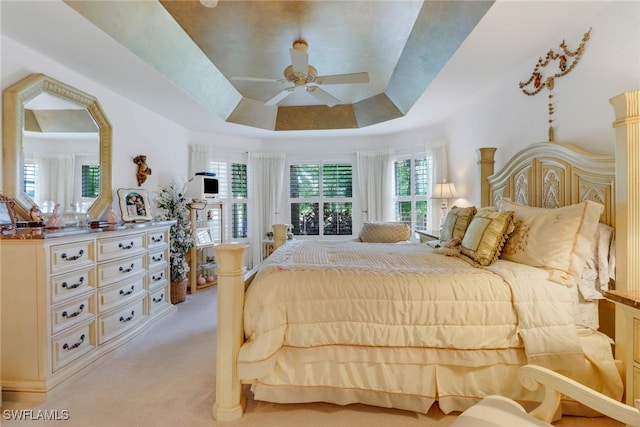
pixel 555 239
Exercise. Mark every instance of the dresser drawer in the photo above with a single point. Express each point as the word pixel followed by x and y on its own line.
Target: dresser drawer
pixel 636 340
pixel 120 293
pixel 70 345
pixel 157 238
pixel 157 258
pixel 72 313
pixel 72 255
pixel 158 277
pixel 116 271
pixel 117 247
pixel 120 320
pixel 158 300
pixel 64 286
pixel 636 384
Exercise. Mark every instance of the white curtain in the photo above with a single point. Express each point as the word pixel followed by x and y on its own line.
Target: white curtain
pixel 53 184
pixel 437 151
pixel 374 178
pixel 266 179
pixel 199 159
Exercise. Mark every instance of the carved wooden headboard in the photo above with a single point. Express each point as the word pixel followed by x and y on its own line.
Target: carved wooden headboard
pixel 550 175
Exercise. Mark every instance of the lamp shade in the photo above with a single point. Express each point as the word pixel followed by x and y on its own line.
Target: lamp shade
pixel 445 190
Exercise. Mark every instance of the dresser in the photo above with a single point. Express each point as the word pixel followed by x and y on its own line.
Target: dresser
pixel 71 297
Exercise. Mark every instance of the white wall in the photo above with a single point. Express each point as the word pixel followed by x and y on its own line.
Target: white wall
pixel 508 119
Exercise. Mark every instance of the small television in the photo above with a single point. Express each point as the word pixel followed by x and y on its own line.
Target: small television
pixel 202 187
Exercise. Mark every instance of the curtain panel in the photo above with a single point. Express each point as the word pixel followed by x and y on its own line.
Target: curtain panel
pixel 437 151
pixel 266 179
pixel 375 176
pixel 199 159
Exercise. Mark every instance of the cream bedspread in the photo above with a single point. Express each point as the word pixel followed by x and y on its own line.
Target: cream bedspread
pixel 312 294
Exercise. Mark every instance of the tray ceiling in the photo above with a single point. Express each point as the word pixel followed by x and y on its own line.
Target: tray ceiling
pixel 402 45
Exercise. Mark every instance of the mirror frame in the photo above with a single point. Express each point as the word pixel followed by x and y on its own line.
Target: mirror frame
pixel 15 97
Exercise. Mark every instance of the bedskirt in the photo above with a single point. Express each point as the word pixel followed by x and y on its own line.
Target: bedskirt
pixel 418 377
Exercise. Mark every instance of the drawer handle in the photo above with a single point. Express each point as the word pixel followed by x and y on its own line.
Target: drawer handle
pixel 121 246
pixel 69 316
pixel 74 257
pixel 157 239
pixel 156 278
pixel 65 285
pixel 129 292
pixel 159 299
pixel 127 270
pixel 76 345
pixel 158 258
pixel 126 319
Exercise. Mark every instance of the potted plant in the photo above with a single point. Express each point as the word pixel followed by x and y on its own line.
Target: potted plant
pixel 176 207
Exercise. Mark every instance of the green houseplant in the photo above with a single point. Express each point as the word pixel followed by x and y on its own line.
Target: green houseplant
pixel 176 207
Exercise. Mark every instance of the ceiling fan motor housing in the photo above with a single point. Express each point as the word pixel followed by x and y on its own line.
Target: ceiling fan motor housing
pixel 300 79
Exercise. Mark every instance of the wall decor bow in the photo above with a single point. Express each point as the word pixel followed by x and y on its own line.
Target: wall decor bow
pixel 554 65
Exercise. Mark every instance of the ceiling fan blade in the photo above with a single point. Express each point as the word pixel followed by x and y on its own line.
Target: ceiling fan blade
pixel 258 79
pixel 280 96
pixel 299 61
pixel 337 79
pixel 322 96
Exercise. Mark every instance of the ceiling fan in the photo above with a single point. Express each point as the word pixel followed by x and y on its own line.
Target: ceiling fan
pixel 300 73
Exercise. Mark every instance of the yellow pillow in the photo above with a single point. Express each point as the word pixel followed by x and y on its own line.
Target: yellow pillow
pixel 456 223
pixel 384 232
pixel 486 235
pixel 555 239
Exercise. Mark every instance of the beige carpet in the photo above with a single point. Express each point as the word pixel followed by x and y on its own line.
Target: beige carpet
pixel 166 377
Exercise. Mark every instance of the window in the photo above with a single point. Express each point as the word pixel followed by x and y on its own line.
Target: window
pixel 232 187
pixel 412 183
pixel 328 185
pixel 90 181
pixel 30 171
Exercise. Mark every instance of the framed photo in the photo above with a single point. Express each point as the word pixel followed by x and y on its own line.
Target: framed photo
pixel 134 205
pixel 203 236
pixel 7 214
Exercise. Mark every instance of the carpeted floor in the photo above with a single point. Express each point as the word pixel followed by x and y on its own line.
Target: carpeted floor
pixel 166 377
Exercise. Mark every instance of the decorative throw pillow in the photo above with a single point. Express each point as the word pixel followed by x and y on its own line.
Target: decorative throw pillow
pixel 557 239
pixel 486 235
pixel 384 232
pixel 456 223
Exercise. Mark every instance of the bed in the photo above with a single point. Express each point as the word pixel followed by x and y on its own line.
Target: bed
pixel 402 325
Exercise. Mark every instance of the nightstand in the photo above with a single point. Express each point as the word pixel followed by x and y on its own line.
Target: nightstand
pixel 628 339
pixel 427 235
pixel 267 248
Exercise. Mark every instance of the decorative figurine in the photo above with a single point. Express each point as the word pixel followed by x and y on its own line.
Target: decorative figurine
pixel 35 214
pixel 111 217
pixel 143 170
pixel 55 220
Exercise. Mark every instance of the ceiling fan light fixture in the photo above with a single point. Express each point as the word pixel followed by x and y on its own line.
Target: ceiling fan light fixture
pixel 300 45
pixel 209 3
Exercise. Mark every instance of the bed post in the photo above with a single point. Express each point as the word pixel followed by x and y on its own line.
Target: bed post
pixel 230 401
pixel 279 235
pixel 486 164
pixel 627 221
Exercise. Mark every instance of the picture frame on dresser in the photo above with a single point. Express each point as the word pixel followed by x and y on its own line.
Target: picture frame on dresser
pixel 134 205
pixel 7 214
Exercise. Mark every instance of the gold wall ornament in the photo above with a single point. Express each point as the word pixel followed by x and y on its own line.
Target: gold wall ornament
pixel 565 60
